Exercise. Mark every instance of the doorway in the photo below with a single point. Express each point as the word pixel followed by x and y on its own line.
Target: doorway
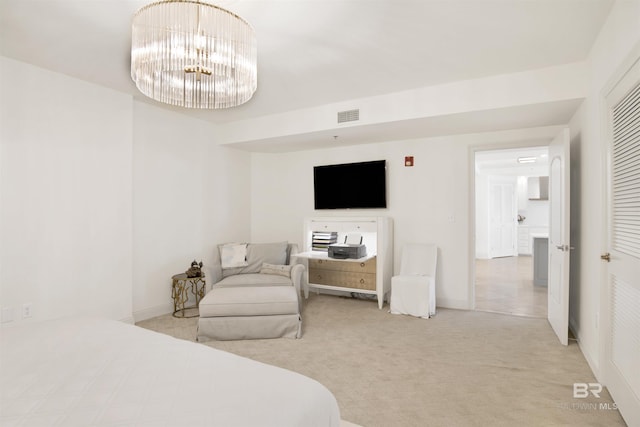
pixel 512 226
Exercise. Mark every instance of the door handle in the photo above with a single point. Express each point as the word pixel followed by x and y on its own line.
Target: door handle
pixel 606 257
pixel 564 248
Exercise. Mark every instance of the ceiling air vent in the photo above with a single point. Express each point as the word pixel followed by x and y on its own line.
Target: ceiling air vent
pixel 348 116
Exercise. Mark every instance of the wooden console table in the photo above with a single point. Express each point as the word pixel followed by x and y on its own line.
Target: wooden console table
pixel 368 275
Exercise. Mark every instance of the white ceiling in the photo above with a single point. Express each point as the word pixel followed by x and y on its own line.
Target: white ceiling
pixel 315 52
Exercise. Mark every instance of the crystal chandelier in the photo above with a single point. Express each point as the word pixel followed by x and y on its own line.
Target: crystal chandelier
pixel 193 54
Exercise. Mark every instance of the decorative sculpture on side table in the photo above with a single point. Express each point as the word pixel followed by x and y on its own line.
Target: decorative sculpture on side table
pixel 195 270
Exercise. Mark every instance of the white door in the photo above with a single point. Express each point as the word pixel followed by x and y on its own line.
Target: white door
pixel 503 217
pixel 559 245
pixel 621 302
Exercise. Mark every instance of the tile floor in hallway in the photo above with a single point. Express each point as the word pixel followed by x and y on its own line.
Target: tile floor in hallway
pixel 505 285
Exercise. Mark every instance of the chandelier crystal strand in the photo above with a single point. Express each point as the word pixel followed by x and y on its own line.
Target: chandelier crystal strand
pixel 193 54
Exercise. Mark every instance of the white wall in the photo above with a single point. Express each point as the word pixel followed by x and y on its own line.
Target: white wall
pixel 537 213
pixel 617 43
pixel 104 199
pixel 66 195
pixel 189 195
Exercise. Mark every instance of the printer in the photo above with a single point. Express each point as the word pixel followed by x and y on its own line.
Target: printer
pixel 351 248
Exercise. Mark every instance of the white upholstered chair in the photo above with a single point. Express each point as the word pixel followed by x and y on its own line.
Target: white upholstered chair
pixel 413 291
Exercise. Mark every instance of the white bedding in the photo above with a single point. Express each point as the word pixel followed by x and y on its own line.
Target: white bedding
pixel 90 372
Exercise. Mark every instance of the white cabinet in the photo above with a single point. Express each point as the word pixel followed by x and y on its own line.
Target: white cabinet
pixel 368 275
pixel 525 239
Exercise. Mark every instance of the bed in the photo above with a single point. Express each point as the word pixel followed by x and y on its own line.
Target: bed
pixel 94 372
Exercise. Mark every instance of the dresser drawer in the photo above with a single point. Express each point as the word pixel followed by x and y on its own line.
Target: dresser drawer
pixel 345 279
pixel 368 266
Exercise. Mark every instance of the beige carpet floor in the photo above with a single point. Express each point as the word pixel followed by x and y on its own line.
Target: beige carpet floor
pixel 460 368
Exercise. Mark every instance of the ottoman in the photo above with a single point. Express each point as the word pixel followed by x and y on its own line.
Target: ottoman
pixel 249 312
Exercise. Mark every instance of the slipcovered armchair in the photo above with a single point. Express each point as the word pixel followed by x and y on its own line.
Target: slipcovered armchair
pixel 254 293
pixel 413 291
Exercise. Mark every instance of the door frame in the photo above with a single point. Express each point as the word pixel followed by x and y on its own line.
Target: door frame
pixel 472 150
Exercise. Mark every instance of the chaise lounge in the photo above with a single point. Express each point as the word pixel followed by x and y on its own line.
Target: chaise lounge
pixel 255 293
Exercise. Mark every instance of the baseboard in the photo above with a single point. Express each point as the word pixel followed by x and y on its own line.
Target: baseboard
pixel 587 356
pixel 151 312
pixel 128 319
pixel 452 303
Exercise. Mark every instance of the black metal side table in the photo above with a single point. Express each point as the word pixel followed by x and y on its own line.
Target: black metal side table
pixel 180 293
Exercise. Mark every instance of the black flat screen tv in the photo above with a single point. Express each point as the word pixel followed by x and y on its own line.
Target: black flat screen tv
pixel 360 185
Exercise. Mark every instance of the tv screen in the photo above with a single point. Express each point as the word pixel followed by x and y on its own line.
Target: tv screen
pixel 350 185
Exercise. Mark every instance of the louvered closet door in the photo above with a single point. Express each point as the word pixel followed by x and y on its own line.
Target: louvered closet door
pixel 622 355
